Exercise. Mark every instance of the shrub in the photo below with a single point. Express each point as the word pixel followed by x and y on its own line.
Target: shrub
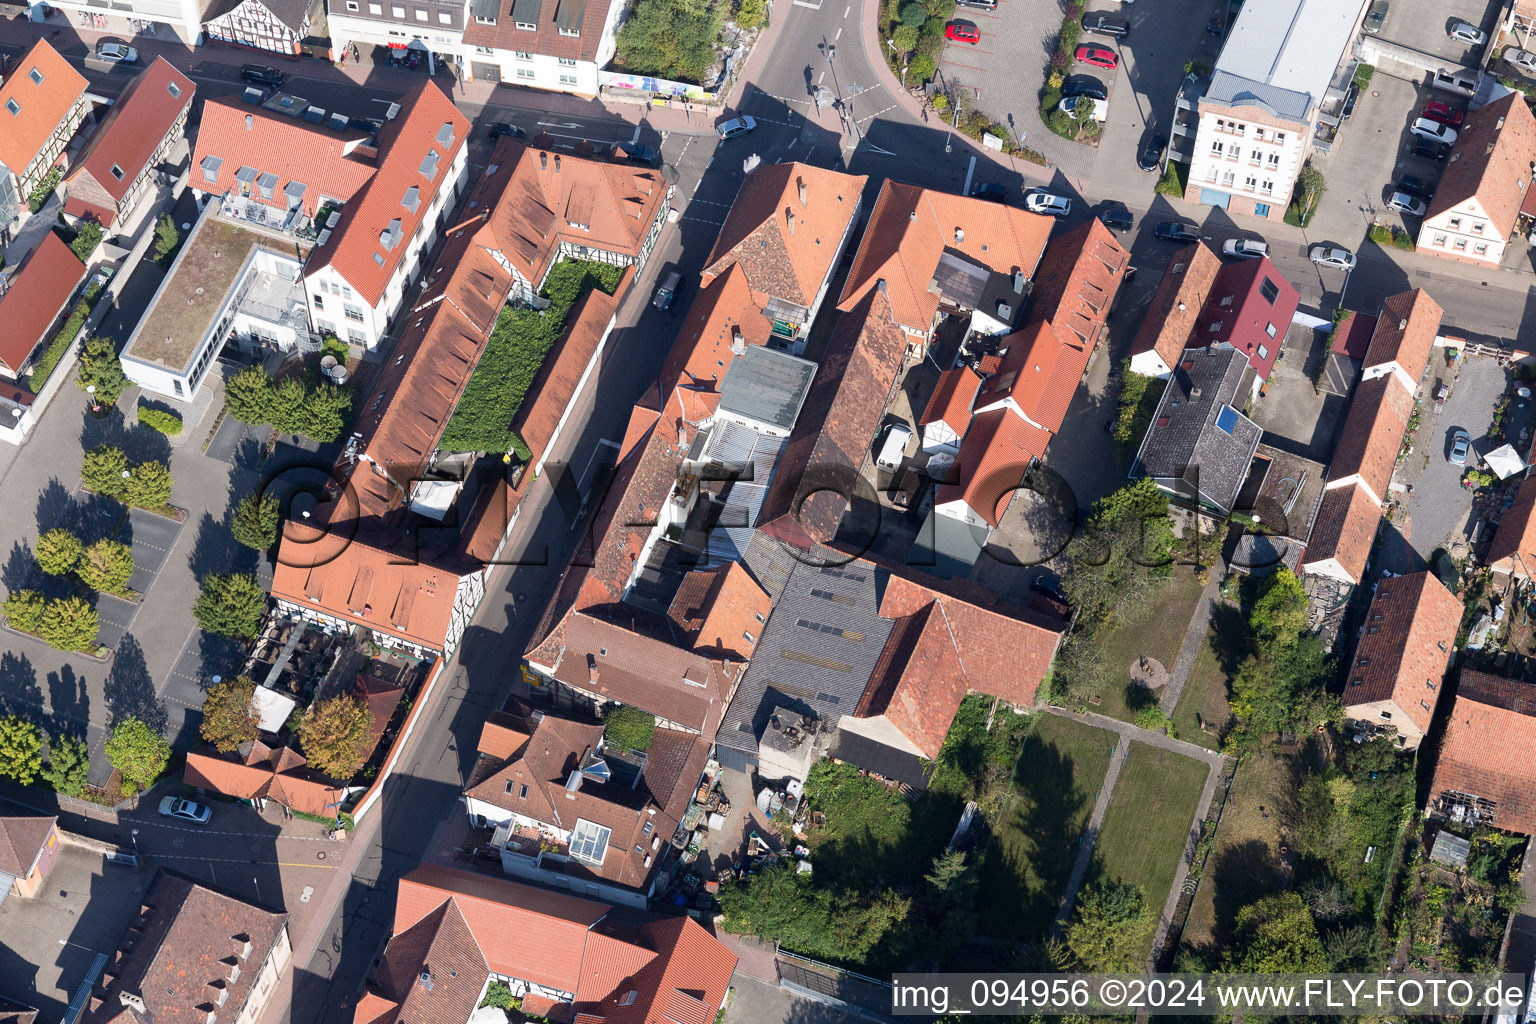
pixel 21 749
pixel 62 340
pixel 58 552
pixel 24 610
pixel 1173 179
pixel 330 345
pixel 149 486
pixel 87 238
pixel 138 752
pixel 69 764
pixel 107 565
pixel 905 37
pixel 913 15
pixel 69 624
pixel 628 728
pixel 752 13
pixel 44 189
pixel 167 239
pixel 922 69
pixel 500 996
pixel 670 39
pixel 230 604
pixel 1363 73
pixel 163 420
pixel 520 341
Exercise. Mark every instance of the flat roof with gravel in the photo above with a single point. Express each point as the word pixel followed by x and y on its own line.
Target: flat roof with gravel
pixel 194 291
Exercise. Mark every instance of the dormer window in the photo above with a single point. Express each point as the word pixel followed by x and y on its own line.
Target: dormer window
pixel 481 19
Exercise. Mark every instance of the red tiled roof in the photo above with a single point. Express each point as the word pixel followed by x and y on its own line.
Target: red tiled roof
pixel 21 840
pixel 1028 374
pixel 1075 284
pixel 918 683
pixel 1345 529
pixel 588 16
pixel 953 398
pixel 719 608
pixel 133 129
pixel 42 106
pixel 722 315
pixel 373 1008
pixel 238 134
pixel 1405 332
pixel 284 778
pixel 1514 543
pixel 74 206
pixel 177 956
pixel 1409 632
pixel 684 984
pixel 381 698
pixel 1372 434
pixel 783 230
pixel 837 423
pixel 1490 160
pixel 442 946
pixel 502 735
pixel 1238 313
pixel 428 122
pixel 1005 651
pixel 998 448
pixel 1169 321
pixel 38 293
pixel 909 229
pixel 1352 335
pixel 540 199
pixel 1489 749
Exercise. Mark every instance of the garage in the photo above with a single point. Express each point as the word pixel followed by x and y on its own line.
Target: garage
pixel 485 72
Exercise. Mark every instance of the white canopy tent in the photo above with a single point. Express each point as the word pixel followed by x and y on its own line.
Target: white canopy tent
pixel 1504 461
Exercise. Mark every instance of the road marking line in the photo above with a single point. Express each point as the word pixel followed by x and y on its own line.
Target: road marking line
pixel 708 202
pixel 877 113
pixel 705 220
pixel 802 3
pixel 839 34
pixel 846 10
pixel 820 77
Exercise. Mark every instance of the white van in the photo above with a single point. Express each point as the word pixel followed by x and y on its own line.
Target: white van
pixel 894 449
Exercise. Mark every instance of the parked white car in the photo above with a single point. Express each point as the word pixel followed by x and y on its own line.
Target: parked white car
pixel 1246 248
pixel 1068 106
pixel 1048 204
pixel 1525 60
pixel 1424 128
pixel 117 53
pixel 1402 202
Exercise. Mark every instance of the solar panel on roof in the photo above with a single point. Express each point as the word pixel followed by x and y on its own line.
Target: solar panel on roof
pixel 1226 419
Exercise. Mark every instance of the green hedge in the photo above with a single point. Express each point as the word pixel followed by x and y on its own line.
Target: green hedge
pixel 61 341
pixel 166 422
pixel 44 189
pixel 520 341
pixel 1173 179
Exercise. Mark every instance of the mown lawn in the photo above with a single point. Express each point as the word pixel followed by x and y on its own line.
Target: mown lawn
pixel 1155 631
pixel 874 835
pixel 1149 819
pixel 1204 700
pixel 1025 866
pixel 1244 864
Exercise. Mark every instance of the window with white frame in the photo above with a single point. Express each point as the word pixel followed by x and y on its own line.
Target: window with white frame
pixel 1481 248
pixel 1439 240
pixel 589 841
pixel 421 15
pixel 520 55
pixel 1461 243
pixel 397 12
pixel 445 17
pixel 375 8
pixel 484 51
pixel 1227 177
pixel 572 32
pixel 352 5
pixel 353 313
pixel 566 62
pixel 525 72
pixel 1250 183
pixel 1210 174
pixel 567 79
pixel 1267 187
pixel 1274 161
pixel 1217 146
pixel 527 26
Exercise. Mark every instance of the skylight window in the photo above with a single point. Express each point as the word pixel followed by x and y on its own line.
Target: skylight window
pixel 589 841
pixel 445 134
pixel 117 171
pixel 173 89
pixel 13 107
pixel 36 76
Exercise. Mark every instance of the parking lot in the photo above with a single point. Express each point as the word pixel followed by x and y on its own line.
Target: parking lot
pixel 1422 25
pixel 1374 149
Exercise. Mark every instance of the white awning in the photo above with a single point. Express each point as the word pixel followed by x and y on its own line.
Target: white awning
pixel 271 707
pixel 1505 461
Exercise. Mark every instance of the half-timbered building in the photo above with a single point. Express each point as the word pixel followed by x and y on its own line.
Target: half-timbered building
pixel 276 26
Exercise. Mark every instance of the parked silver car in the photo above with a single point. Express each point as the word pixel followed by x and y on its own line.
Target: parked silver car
pixel 1333 256
pixel 189 811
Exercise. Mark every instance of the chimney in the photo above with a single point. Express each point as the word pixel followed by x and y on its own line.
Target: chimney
pixel 1402 324
pixel 132 1000
pixel 426 979
pixel 880 284
pixel 557 163
pixel 801 183
pixel 592 672
pixel 543 161
pixel 738 343
pixel 248 122
pixel 789 218
pixel 959 234
pixel 1018 282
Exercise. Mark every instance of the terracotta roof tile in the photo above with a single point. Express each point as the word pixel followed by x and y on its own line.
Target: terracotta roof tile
pixel 1405 332
pixel 1492 155
pixel 540 199
pixel 1345 530
pixel 919 682
pixel 1352 335
pixel 1170 318
pixel 21 839
pixel 684 984
pixel 1406 643
pixel 1514 543
pixel 722 314
pixel 502 735
pixel 718 608
pixel 428 122
pixel 1028 375
pixel 236 134
pixel 907 232
pixel 290 783
pixel 381 698
pixel 39 292
pixel 373 1008
pixel 41 106
pixel 783 230
pixel 1372 434
pixel 837 424
pixel 996 451
pixel 133 129
pixel 1489 749
pixel 1075 284
pixel 952 399
pixel 441 946
pixel 182 953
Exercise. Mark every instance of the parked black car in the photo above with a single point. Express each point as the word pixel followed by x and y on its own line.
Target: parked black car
pixel 1115 215
pixel 639 154
pixel 1416 186
pixel 1048 587
pixel 1430 149
pixel 1349 101
pixel 1173 231
pixel 1105 24
pixel 1084 85
pixel 260 74
pixel 1151 158
pixel 990 191
pixel 503 130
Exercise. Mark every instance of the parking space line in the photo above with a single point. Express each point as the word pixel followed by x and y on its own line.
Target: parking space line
pixel 846 10
pixel 957 64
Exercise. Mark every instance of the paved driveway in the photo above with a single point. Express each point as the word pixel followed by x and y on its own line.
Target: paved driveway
pixel 1422 24
pixel 153 537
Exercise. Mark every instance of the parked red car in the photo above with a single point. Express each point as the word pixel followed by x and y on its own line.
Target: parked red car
pixel 1437 111
pixel 1098 56
pixel 961 32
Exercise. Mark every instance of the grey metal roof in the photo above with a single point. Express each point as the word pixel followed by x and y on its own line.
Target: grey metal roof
pixel 752 455
pixel 766 386
pixel 568 14
pixel 1293 45
pixel 1197 438
pixel 1262 553
pixel 816 654
pixel 874 756
pixel 526 11
pixel 1232 90
pixel 484 9
pixel 946 547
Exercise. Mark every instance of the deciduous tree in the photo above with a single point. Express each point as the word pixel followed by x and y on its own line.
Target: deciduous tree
pixel 69 765
pixel 100 367
pixel 231 604
pixel 167 239
pixel 149 485
pixel 24 610
pixel 58 552
pixel 334 735
pixel 138 752
pixel 1277 935
pixel 1111 929
pixel 21 749
pixel 228 718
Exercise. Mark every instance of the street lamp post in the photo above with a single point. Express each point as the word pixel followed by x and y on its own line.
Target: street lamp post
pixel 90 390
